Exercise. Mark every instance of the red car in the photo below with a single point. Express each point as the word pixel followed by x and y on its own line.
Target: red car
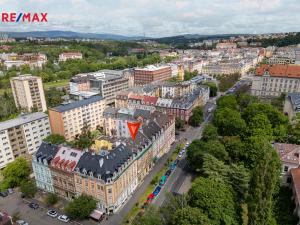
pixel 150 198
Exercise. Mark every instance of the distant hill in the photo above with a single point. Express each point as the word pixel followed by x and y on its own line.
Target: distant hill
pixel 191 38
pixel 70 34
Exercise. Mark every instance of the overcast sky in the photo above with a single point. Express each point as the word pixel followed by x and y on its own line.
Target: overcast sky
pixel 157 18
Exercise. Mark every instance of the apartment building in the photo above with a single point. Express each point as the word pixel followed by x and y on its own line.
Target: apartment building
pixel 281 60
pixel 151 74
pixel 107 83
pixel 272 80
pixel 69 119
pixel 292 105
pixel 28 92
pixel 110 179
pixel 62 167
pixel 69 55
pixel 40 165
pixel 226 45
pixel 30 59
pixel 22 136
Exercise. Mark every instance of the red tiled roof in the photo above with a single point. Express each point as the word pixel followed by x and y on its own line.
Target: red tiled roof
pixel 288 152
pixel 292 71
pixel 150 99
pixel 136 97
pixel 296 181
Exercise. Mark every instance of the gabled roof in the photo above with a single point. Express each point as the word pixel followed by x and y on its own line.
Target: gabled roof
pixel 288 152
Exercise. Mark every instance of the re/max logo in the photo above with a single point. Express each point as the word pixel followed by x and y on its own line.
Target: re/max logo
pixel 24 17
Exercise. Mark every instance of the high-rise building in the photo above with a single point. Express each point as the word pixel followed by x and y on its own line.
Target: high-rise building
pixel 28 92
pixel 151 74
pixel 22 136
pixel 69 119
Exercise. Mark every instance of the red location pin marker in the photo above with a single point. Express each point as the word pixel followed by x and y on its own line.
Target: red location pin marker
pixel 133 128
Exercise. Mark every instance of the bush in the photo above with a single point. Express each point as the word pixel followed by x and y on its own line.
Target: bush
pixel 29 189
pixel 52 199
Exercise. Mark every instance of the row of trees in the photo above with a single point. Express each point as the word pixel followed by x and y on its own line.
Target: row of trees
pixel 237 169
pixel 227 81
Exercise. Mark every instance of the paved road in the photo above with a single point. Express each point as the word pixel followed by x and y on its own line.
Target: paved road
pixel 180 180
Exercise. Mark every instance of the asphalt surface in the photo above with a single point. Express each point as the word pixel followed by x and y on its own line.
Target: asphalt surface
pixel 180 179
pixel 14 203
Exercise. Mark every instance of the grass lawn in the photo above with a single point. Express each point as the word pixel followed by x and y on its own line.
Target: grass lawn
pixel 138 206
pixel 58 83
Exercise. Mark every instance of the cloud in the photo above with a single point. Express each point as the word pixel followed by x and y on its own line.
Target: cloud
pixel 159 17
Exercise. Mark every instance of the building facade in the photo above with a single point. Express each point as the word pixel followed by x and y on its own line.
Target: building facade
pixel 69 55
pixel 69 119
pixel 292 105
pixel 62 167
pixel 151 74
pixel 276 79
pixel 40 165
pixel 22 136
pixel 28 93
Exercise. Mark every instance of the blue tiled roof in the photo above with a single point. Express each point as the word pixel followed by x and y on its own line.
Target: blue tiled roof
pixel 77 104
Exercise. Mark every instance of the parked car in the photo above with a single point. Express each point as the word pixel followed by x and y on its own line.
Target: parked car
pixel 52 213
pixel 172 166
pixel 63 218
pixel 168 173
pixel 163 180
pixel 180 155
pixel 21 222
pixel 34 205
pixel 156 191
pixel 150 198
pixel 3 194
pixel 10 190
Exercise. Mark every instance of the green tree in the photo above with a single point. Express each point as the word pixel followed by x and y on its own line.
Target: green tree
pixel 244 100
pixel 227 101
pixel 81 207
pixel 237 176
pixel 213 89
pixel 28 188
pixel 229 122
pixel 259 125
pixel 55 139
pixel 52 198
pixel 215 199
pixel 16 172
pixel 198 148
pixel 151 216
pixel 210 132
pixel 197 116
pixel 235 148
pixel 264 185
pixel 179 123
pixel 54 97
pixel 189 216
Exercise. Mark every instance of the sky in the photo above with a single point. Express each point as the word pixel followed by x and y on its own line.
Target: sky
pixel 159 18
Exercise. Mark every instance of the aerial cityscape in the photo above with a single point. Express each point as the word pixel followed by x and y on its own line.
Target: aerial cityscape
pixel 147 112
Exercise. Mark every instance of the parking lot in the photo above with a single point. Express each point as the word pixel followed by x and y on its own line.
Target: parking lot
pixel 14 203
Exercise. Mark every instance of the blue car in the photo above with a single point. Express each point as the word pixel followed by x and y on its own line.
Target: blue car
pixel 172 166
pixel 157 190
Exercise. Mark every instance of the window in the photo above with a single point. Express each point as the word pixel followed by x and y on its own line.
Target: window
pixel 286 168
pixel 109 191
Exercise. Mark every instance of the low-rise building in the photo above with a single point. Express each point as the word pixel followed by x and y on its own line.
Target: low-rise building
pixel 292 105
pixel 69 119
pixel 22 136
pixel 295 185
pixel 69 55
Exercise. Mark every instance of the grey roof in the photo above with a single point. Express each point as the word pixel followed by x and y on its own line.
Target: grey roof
pixel 150 129
pixel 145 114
pixel 77 104
pixel 104 166
pixel 46 151
pixel 22 119
pixel 295 100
